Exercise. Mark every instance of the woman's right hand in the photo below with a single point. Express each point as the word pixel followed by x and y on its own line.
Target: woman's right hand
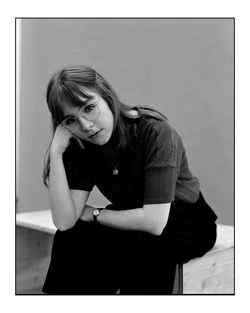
pixel 60 140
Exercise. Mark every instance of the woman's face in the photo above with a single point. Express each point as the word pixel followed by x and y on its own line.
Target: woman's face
pixel 97 131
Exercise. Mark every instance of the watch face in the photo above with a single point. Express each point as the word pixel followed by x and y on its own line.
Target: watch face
pixel 96 212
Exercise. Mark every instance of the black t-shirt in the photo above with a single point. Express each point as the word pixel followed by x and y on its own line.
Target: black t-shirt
pixel 153 169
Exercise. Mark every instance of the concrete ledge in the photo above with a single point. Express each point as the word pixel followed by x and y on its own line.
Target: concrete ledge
pixel 211 274
pixel 42 221
pixel 214 272
pixel 37 220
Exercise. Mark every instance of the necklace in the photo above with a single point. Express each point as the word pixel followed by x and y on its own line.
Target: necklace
pixel 107 158
pixel 115 171
pixel 114 168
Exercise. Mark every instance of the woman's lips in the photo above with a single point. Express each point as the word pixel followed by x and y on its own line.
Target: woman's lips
pixel 95 134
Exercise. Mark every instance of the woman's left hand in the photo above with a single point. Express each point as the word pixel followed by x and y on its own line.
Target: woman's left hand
pixel 87 214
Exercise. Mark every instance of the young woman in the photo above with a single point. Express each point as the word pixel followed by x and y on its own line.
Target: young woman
pixel 157 217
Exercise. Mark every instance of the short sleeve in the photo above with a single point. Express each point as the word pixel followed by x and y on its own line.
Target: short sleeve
pixel 160 185
pixel 77 168
pixel 162 160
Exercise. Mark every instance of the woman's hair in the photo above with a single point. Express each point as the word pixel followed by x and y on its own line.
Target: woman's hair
pixel 68 85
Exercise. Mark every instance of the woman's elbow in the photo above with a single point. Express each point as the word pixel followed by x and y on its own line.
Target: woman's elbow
pixel 156 226
pixel 63 226
pixel 157 217
pixel 157 229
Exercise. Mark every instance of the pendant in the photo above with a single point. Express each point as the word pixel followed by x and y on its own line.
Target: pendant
pixel 115 171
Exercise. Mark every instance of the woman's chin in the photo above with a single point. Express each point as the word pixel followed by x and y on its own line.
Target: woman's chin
pixel 99 140
pixel 102 138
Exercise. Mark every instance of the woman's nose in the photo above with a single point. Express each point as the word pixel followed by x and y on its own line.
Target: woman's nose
pixel 85 124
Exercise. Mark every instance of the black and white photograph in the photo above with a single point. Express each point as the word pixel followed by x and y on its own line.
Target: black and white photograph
pixel 125 156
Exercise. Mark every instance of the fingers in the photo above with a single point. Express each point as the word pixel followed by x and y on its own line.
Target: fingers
pixel 73 136
pixel 68 132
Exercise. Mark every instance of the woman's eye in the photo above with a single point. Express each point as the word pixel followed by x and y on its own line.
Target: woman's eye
pixel 70 120
pixel 89 108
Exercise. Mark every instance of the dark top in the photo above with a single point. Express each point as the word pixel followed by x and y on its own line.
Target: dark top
pixel 156 171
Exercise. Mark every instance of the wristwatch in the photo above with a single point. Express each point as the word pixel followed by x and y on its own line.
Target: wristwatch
pixel 96 213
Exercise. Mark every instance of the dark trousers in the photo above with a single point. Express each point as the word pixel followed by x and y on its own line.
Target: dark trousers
pixel 92 259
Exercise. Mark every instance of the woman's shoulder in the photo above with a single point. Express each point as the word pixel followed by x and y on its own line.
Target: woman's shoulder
pixel 159 134
pixel 151 126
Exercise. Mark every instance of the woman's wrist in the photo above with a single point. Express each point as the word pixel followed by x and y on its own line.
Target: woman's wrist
pixel 87 214
pixel 55 154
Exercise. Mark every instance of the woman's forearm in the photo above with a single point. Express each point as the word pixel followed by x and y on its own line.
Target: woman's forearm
pixel 60 200
pixel 151 219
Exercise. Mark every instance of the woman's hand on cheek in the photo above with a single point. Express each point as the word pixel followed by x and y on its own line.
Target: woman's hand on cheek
pixel 87 214
pixel 60 140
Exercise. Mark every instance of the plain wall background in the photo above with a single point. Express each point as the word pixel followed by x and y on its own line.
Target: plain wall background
pixel 183 67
